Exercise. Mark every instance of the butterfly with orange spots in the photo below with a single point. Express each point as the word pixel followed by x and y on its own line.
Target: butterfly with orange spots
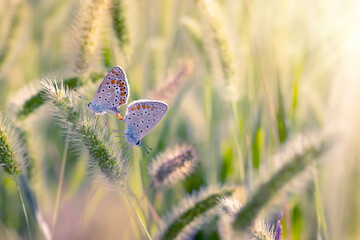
pixel 113 91
pixel 141 117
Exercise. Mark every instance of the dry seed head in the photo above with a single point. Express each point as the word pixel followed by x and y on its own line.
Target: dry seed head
pixel 173 165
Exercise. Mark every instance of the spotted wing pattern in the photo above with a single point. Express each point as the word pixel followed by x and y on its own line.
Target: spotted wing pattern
pixel 144 115
pixel 113 91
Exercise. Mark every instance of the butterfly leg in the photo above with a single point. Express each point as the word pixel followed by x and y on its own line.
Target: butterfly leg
pixel 119 116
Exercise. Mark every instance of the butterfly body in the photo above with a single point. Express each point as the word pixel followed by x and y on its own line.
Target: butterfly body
pixel 141 117
pixel 113 91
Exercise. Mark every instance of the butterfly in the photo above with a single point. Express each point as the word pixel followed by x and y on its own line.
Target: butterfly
pixel 113 91
pixel 141 117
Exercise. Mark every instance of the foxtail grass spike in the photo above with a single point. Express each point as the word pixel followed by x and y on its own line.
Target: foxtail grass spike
pixel 194 30
pixel 89 22
pixel 31 96
pixel 85 131
pixel 299 154
pixel 173 165
pixel 11 150
pixel 12 158
pixel 192 213
pixel 27 158
pixel 9 42
pixel 278 229
pixel 118 22
pixel 173 85
pixel 224 54
pixel 262 231
pixel 228 209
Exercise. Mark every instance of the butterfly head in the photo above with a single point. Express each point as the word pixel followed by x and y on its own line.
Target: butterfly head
pixel 95 108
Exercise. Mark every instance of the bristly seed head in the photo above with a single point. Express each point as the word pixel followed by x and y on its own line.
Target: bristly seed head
pixel 86 132
pixel 11 151
pixel 173 165
pixel 229 205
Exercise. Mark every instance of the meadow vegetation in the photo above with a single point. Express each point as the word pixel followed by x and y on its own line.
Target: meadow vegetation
pixel 260 140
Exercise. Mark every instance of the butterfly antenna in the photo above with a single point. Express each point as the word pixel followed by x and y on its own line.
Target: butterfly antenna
pixel 144 147
pixel 147 146
pixel 82 96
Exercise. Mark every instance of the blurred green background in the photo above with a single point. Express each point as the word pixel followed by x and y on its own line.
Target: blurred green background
pixel 240 77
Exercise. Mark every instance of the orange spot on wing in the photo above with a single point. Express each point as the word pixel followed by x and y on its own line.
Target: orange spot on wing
pixel 132 108
pixel 122 89
pixel 113 81
pixel 148 106
pixel 113 71
pixel 143 106
pixel 117 74
pixel 154 114
pixel 154 119
pixel 107 82
pixel 152 109
pixel 121 85
pixel 122 93
pixel 138 106
pixel 118 82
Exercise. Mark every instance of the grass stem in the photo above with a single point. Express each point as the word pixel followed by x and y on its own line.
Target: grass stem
pixel 24 209
pixel 137 216
pixel 319 206
pixel 58 194
pixel 237 139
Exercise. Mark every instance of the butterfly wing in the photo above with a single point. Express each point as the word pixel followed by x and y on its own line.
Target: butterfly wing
pixel 113 91
pixel 144 115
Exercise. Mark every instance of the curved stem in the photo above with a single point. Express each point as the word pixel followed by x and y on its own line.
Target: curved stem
pixel 24 209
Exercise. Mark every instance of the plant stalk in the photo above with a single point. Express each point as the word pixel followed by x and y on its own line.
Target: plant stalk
pixel 24 209
pixel 58 195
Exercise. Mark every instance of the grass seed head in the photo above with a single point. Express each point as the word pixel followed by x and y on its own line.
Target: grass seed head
pixel 173 165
